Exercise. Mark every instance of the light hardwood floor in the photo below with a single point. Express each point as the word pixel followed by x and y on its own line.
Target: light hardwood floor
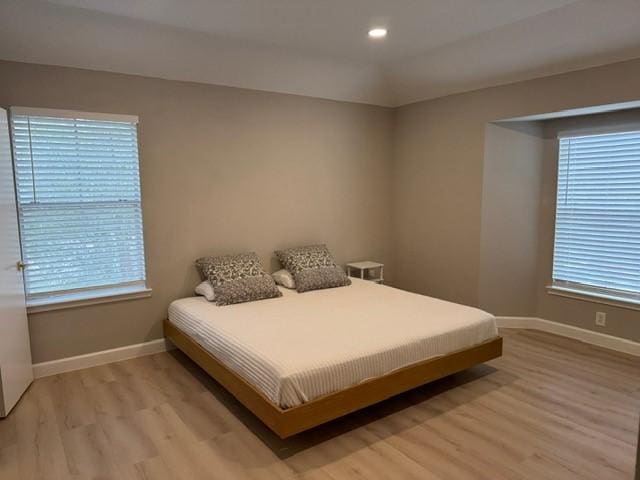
pixel 550 408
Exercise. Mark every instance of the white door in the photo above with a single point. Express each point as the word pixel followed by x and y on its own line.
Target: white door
pixel 16 372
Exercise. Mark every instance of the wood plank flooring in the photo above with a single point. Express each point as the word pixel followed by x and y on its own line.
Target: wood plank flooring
pixel 550 408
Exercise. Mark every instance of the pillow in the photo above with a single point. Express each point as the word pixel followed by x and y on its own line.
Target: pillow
pixel 312 268
pixel 247 289
pixel 284 278
pixel 238 278
pixel 229 267
pixel 206 290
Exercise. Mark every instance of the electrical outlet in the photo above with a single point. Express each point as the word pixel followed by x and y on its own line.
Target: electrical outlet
pixel 601 319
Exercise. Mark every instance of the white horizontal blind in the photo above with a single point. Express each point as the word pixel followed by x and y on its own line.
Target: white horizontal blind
pixel 78 190
pixel 597 238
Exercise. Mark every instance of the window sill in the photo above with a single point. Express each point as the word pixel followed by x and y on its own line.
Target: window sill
pixel 601 298
pixel 83 299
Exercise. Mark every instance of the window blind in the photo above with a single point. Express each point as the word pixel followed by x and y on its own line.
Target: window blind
pixel 597 237
pixel 79 206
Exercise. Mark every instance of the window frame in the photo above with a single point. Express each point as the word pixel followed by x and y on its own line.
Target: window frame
pixel 575 290
pixel 70 298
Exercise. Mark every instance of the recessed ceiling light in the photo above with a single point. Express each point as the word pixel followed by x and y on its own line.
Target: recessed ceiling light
pixel 378 32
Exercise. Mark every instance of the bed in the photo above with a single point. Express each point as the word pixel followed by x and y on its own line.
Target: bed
pixel 306 358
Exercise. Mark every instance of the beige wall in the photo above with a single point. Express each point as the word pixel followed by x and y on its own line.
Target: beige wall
pixel 512 184
pixel 621 322
pixel 518 220
pixel 222 170
pixel 226 169
pixel 439 165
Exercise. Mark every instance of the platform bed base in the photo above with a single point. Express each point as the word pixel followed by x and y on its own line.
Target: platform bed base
pixel 288 422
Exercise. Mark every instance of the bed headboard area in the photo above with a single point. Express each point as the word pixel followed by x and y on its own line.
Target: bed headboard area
pixel 222 170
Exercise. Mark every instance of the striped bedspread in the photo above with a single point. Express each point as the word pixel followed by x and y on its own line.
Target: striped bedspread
pixel 303 345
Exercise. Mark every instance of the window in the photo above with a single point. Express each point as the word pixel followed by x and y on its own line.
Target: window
pixel 79 210
pixel 597 238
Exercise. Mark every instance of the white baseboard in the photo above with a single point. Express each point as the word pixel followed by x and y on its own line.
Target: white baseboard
pixel 68 364
pixel 586 336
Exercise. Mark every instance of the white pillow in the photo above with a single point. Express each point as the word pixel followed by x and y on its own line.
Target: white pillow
pixel 206 290
pixel 284 278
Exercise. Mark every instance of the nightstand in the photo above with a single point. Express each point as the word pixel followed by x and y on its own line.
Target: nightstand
pixel 371 271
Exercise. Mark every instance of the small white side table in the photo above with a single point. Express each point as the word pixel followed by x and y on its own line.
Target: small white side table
pixel 371 271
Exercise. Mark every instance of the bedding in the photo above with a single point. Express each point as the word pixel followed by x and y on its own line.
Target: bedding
pixel 237 278
pixel 206 290
pixel 301 346
pixel 312 268
pixel 243 290
pixel 284 278
pixel 220 268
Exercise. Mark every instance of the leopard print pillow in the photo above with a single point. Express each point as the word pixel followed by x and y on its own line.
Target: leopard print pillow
pixel 302 258
pixel 223 268
pixel 318 278
pixel 312 268
pixel 237 278
pixel 246 289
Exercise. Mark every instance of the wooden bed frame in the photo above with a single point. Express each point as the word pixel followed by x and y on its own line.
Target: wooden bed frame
pixel 288 422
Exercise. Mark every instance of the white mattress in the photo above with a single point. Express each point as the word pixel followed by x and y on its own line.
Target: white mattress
pixel 304 345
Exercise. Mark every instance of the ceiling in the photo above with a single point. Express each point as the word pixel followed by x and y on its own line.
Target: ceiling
pixel 320 48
